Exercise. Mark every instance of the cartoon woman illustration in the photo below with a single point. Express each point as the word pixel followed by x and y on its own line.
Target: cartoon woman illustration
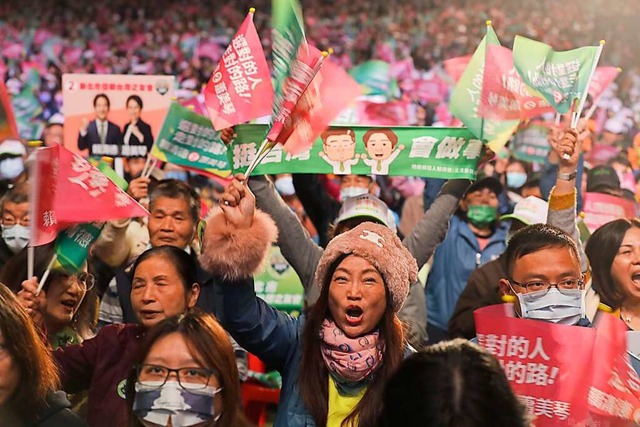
pixel 381 148
pixel 339 150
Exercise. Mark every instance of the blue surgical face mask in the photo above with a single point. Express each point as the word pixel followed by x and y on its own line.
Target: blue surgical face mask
pixel 16 237
pixel 158 404
pixel 284 185
pixel 11 168
pixel 516 179
pixel 565 308
pixel 346 192
pixel 177 175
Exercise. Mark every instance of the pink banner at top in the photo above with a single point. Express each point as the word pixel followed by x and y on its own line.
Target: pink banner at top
pixel 545 363
pixel 504 95
pixel 240 87
pixel 455 66
pixel 600 209
pixel 602 78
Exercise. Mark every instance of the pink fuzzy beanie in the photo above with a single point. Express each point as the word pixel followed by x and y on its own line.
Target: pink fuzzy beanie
pixel 235 254
pixel 382 248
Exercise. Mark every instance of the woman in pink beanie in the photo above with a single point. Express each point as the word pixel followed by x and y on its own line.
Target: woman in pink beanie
pixel 336 360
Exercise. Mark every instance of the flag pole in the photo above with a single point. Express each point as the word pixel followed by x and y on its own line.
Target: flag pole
pixel 578 111
pixel 267 145
pixel 30 261
pixel 45 276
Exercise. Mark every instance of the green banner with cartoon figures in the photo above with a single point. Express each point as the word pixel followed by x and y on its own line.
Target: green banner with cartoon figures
pixel 429 152
pixel 279 285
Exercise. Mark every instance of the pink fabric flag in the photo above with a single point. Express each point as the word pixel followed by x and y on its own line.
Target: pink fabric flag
pixel 504 95
pixel 240 87
pixel 602 78
pixel 456 66
pixel 330 92
pixel 61 176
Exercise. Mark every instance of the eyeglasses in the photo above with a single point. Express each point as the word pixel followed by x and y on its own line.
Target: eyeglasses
pixel 540 285
pixel 86 281
pixel 188 378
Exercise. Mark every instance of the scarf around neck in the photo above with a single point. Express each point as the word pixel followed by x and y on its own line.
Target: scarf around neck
pixel 350 360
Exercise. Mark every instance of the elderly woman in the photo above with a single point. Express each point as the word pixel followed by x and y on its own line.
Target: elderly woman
pixel 335 360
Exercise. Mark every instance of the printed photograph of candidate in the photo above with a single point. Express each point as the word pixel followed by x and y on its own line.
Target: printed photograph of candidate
pixel 100 136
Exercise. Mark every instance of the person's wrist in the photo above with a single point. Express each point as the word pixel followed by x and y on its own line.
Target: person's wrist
pixel 567 168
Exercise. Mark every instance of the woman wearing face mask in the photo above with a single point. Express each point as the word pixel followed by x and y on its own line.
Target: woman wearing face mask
pixel 335 360
pixel 28 375
pixel 614 256
pixel 185 373
pixel 163 285
pixel 70 303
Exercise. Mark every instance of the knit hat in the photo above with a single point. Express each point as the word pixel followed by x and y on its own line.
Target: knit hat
pixel 382 248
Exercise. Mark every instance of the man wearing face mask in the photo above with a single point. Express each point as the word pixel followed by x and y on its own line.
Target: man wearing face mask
pixel 549 291
pixel 15 222
pixel 12 170
pixel 476 236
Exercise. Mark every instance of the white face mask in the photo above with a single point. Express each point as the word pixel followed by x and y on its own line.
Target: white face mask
pixel 565 308
pixel 10 168
pixel 16 237
pixel 158 405
pixel 284 185
pixel 346 192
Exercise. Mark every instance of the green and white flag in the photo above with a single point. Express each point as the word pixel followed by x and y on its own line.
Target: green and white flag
pixel 432 152
pixel 288 36
pixel 72 246
pixel 279 285
pixel 560 77
pixel 465 99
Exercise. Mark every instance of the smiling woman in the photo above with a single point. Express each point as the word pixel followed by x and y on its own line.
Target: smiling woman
pixel 336 359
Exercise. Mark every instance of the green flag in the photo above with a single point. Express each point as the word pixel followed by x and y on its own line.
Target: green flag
pixel 560 77
pixel 112 175
pixel 288 35
pixel 375 78
pixel 466 98
pixel 72 245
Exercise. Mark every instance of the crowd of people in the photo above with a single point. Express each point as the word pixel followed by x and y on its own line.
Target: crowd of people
pixel 159 323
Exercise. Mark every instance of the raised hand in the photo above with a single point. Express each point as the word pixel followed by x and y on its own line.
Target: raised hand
pixel 238 203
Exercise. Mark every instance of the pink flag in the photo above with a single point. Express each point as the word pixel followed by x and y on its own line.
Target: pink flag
pixel 456 66
pixel 600 209
pixel 385 114
pixel 330 91
pixel 61 176
pixel 602 78
pixel 504 95
pixel 240 87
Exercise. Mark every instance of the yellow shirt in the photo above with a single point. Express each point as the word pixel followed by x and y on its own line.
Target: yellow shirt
pixel 340 406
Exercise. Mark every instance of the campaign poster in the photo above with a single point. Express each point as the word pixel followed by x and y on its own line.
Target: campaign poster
pixel 114 115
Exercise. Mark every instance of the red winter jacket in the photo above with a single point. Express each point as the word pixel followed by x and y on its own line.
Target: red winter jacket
pixel 101 365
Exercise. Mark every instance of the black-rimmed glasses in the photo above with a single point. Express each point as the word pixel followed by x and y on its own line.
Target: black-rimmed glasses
pixel 188 378
pixel 541 285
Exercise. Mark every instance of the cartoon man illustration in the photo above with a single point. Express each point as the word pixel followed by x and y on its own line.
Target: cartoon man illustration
pixel 339 150
pixel 381 148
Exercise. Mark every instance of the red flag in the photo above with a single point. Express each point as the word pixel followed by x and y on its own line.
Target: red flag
pixel 68 190
pixel 240 87
pixel 456 66
pixel 602 78
pixel 304 117
pixel 8 126
pixel 504 95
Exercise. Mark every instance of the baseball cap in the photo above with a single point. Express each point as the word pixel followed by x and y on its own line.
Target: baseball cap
pixel 367 206
pixel 602 177
pixel 489 182
pixel 530 210
pixel 12 147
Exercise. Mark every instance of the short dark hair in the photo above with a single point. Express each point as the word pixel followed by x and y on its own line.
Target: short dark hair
pixel 101 95
pixel 184 263
pixel 601 250
pixel 175 189
pixel 534 238
pixel 135 98
pixel 17 194
pixel 453 383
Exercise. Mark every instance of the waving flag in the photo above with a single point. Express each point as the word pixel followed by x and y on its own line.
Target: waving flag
pixel 504 95
pixel 455 67
pixel 240 87
pixel 465 99
pixel 8 126
pixel 561 77
pixel 60 176
pixel 602 79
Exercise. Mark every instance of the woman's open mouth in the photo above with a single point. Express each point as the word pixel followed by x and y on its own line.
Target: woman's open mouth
pixel 354 314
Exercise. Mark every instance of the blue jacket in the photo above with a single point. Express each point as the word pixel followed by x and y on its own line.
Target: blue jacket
pixel 274 337
pixel 453 262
